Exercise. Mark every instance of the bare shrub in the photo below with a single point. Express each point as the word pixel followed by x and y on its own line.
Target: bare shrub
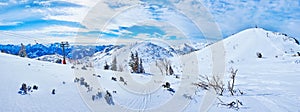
pixel 232 105
pixel 164 66
pixel 215 82
pixel 232 81
pixel 203 83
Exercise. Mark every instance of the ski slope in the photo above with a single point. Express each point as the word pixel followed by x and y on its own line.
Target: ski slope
pixel 270 84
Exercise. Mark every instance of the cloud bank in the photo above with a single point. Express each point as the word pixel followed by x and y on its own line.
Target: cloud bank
pixel 148 19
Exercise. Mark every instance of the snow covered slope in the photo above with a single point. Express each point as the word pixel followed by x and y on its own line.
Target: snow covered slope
pixel 47 76
pixel 72 96
pixel 246 44
pixel 270 84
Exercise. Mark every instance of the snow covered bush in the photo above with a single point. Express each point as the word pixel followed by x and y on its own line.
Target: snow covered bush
pixel 53 91
pixel 76 80
pixel 114 64
pixel 113 78
pixel 167 85
pixel 83 68
pixel 23 89
pixel 35 87
pixel 259 55
pixel 59 61
pixel 81 81
pixel 106 66
pixel 97 96
pixel 108 98
pixel 122 79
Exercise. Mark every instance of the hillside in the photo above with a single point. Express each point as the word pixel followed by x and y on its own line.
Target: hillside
pixel 268 84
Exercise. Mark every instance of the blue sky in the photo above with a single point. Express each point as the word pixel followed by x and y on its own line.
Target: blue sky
pixel 65 18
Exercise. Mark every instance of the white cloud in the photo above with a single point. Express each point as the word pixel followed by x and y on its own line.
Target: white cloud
pixel 9 23
pixel 3 4
pixel 98 15
pixel 70 14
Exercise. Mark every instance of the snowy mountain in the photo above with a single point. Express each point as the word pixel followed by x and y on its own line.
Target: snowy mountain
pixel 150 52
pixel 264 84
pixel 51 58
pixel 72 52
pixel 265 81
pixel 246 44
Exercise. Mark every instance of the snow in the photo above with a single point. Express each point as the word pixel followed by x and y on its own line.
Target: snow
pixel 16 70
pixel 269 83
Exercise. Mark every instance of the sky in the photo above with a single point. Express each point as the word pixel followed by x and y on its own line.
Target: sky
pixel 142 19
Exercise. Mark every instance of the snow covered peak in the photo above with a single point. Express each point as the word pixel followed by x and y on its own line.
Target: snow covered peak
pixel 248 42
pixel 149 51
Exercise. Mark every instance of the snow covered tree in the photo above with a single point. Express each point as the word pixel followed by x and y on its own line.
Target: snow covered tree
pixel 114 64
pixel 141 68
pixel 136 63
pixel 132 62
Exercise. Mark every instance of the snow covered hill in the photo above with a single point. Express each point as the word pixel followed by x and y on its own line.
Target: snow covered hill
pixel 246 44
pixel 47 76
pixel 268 84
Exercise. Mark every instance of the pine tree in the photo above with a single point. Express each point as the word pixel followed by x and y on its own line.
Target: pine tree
pixel 136 62
pixel 131 62
pixel 171 70
pixel 141 68
pixel 114 64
